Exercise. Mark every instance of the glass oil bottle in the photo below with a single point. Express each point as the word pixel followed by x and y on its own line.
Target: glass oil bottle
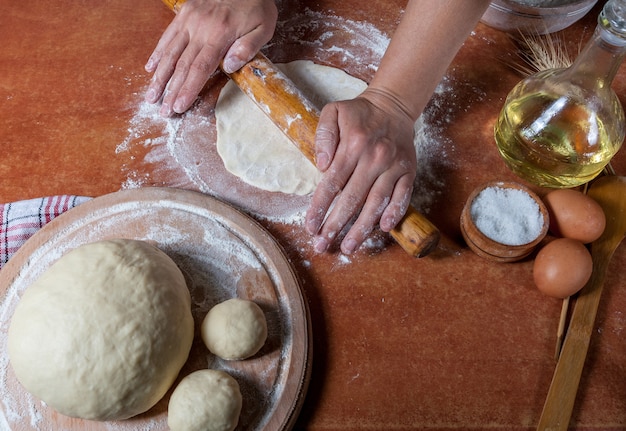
pixel 560 127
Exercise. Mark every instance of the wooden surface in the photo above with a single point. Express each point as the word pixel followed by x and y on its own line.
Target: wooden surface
pixel 223 254
pixel 447 342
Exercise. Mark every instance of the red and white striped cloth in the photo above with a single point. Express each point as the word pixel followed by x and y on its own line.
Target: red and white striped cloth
pixel 20 220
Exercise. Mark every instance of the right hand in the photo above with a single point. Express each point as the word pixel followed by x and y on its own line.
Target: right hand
pixel 203 34
pixel 365 148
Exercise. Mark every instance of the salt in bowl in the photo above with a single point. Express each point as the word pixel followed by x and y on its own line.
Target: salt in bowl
pixel 503 221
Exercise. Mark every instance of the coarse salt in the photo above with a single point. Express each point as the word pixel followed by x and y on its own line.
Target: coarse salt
pixel 508 216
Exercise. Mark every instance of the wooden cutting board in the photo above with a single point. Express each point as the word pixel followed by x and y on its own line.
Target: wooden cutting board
pixel 223 253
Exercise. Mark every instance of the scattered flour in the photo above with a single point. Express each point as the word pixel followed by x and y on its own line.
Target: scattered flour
pixel 180 151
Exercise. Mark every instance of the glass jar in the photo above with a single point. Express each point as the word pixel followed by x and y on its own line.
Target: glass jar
pixel 561 127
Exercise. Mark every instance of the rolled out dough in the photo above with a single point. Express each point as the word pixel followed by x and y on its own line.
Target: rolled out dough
pixel 255 150
pixel 104 332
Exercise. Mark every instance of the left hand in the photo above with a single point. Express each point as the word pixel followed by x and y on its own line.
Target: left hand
pixel 365 149
pixel 200 36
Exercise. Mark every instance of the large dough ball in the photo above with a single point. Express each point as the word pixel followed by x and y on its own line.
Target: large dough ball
pixel 234 329
pixel 103 333
pixel 205 400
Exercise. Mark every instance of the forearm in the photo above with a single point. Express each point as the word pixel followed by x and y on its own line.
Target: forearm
pixel 422 47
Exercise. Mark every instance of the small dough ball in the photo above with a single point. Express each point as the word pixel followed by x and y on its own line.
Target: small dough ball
pixel 574 215
pixel 234 329
pixel 205 400
pixel 562 267
pixel 104 332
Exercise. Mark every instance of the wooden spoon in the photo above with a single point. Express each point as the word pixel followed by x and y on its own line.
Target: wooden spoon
pixel 297 118
pixel 610 193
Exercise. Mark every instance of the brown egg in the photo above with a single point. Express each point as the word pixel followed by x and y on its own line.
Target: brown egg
pixel 574 215
pixel 562 267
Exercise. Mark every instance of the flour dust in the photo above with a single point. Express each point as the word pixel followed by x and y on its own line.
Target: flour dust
pixel 180 151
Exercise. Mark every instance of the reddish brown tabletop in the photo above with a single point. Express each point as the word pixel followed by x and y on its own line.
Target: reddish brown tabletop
pixel 449 341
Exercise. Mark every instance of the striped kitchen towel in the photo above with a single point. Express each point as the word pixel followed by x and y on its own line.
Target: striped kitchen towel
pixel 20 220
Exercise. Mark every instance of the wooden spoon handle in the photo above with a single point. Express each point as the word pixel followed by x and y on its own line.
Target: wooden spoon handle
pixel 559 403
pixel 297 118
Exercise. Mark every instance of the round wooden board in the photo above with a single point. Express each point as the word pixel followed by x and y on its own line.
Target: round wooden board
pixel 223 253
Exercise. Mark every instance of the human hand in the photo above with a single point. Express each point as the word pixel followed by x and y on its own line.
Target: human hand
pixel 365 149
pixel 202 34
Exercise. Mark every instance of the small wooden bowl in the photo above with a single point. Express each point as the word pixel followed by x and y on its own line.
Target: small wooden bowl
pixel 491 249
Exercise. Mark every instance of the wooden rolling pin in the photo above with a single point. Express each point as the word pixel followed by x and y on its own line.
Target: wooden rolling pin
pixel 279 98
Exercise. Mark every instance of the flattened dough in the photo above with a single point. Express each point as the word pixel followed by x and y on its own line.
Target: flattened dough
pixel 255 150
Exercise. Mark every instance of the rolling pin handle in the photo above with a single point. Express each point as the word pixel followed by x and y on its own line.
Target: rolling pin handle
pixel 174 5
pixel 416 234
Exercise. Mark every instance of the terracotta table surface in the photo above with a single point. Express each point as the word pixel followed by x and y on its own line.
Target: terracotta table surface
pixel 449 341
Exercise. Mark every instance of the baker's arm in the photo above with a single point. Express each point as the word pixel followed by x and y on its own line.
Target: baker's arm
pixel 365 146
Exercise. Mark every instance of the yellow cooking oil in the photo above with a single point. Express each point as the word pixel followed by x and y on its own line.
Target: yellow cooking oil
pixel 557 140
pixel 560 127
